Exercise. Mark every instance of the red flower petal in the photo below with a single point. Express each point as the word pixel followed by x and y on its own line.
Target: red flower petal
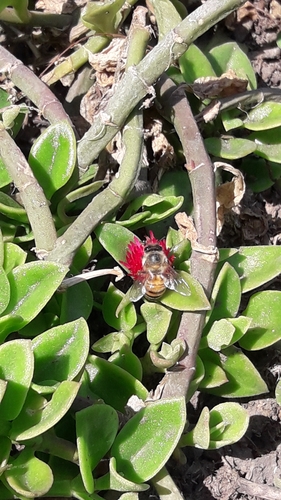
pixel 134 257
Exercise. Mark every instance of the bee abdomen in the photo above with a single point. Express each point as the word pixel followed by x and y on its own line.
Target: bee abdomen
pixel 154 288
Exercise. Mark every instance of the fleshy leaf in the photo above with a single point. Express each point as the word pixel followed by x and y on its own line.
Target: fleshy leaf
pixel 214 374
pixel 243 378
pixel 194 64
pixel 60 353
pixel 28 476
pixel 117 482
pixel 260 174
pixel 229 148
pixel 16 368
pixel 77 302
pixel 52 157
pixel 128 361
pixel 266 115
pixel 226 295
pixel 196 301
pixel 158 319
pixel 268 144
pixel 126 318
pixel 166 15
pixel 254 265
pixel 265 330
pixel 228 424
pixel 39 415
pixel 228 56
pixel 113 384
pixel 115 239
pixel 147 440
pixel 5 290
pixel 32 285
pixel 14 256
pixel 158 208
pixel 96 428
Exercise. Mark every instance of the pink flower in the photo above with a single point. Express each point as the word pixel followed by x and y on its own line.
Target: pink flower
pixel 135 253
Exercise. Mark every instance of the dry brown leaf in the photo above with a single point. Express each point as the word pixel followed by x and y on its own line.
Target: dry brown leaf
pixel 229 194
pixel 109 61
pixel 163 151
pixel 275 9
pixel 211 112
pixel 225 85
pixel 246 12
pixel 186 226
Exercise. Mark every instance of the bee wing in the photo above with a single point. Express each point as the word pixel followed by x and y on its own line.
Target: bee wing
pixel 136 291
pixel 175 282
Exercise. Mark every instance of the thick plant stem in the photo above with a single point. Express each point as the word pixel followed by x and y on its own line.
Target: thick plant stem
pixel 31 85
pixel 137 81
pixel 108 201
pixel 32 195
pixel 203 260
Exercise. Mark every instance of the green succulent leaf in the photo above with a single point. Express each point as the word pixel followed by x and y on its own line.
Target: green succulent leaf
pixel 200 434
pixel 266 115
pixel 117 482
pixel 268 144
pixel 220 334
pixel 113 384
pixel 194 64
pixel 39 415
pixel 226 296
pixel 214 375
pixel 16 369
pixel 103 18
pixel 229 148
pixel 158 319
pixel 226 332
pixel 243 378
pixel 60 353
pixel 157 208
pixel 28 476
pixel 126 318
pixel 96 428
pixel 5 177
pixel 14 256
pixel 229 56
pixel 115 239
pixel 254 265
pixel 77 302
pixel 265 330
pixel 32 285
pixel 128 361
pixel 5 290
pixel 147 440
pixel 52 157
pixel 228 424
pixel 196 301
pixel 260 174
pixel 167 16
pixel 11 209
pixel 111 342
pixel 5 449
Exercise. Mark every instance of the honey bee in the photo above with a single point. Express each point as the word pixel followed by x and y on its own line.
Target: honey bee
pixel 156 276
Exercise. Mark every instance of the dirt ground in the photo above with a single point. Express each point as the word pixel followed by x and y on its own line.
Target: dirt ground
pixel 250 469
